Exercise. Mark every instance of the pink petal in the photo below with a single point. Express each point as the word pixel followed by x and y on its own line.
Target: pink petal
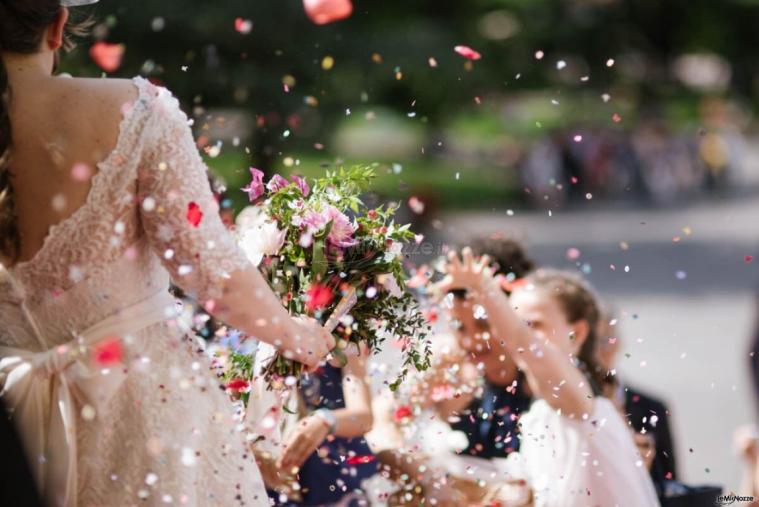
pixel 243 26
pixel 467 52
pixel 107 56
pixel 322 12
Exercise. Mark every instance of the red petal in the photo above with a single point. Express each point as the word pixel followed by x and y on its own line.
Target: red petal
pixel 108 351
pixel 107 56
pixel 194 215
pixel 402 413
pixel 360 460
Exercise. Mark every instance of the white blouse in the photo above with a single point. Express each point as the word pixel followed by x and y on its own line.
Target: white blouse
pixel 590 462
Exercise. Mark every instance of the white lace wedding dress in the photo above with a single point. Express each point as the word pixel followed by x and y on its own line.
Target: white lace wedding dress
pixel 153 428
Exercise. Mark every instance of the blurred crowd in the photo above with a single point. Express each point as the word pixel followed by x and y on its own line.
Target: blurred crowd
pixel 652 164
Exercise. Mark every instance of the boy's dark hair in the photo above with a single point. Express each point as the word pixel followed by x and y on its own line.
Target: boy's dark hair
pixel 508 256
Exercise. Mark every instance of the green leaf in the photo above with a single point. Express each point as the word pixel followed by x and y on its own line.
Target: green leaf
pixel 319 260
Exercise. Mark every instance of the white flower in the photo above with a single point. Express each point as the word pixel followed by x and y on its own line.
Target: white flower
pixel 258 235
pixel 391 285
pixel 396 249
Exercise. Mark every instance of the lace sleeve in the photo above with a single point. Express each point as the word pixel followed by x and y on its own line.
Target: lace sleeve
pixel 179 213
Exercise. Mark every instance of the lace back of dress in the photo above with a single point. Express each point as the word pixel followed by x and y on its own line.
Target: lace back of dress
pixel 20 328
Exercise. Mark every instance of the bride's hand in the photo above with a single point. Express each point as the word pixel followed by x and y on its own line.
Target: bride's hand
pixel 310 344
pixel 467 272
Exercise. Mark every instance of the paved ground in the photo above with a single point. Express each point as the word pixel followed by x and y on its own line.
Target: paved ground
pixel 687 306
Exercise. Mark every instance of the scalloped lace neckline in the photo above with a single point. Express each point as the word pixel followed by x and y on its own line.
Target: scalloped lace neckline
pixel 139 82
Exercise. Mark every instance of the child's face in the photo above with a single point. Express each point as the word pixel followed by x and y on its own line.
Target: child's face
pixel 547 319
pixel 608 345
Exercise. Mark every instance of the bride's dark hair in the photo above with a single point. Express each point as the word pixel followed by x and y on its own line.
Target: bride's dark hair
pixel 22 27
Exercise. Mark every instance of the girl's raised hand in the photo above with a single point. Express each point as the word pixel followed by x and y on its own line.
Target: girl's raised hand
pixel 468 272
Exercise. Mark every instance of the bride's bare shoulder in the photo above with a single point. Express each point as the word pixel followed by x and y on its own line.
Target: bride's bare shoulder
pixel 98 91
pixel 87 112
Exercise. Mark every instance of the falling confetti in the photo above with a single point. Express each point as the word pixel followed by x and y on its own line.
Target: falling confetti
pixel 323 12
pixel 402 413
pixel 328 62
pixel 573 254
pixel 108 351
pixel 81 172
pixel 243 26
pixel 416 205
pixel 467 52
pixel 107 56
pixel 360 460
pixel 194 214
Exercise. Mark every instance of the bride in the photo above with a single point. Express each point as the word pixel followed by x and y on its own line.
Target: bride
pixel 103 199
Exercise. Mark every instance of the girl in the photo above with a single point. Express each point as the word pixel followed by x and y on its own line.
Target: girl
pixel 576 449
pixel 474 389
pixel 103 198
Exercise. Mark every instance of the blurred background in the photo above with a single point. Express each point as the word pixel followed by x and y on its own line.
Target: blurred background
pixel 617 137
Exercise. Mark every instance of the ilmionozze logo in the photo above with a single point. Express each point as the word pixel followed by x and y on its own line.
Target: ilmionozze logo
pixel 731 499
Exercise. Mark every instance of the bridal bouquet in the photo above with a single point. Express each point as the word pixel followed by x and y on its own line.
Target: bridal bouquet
pixel 330 257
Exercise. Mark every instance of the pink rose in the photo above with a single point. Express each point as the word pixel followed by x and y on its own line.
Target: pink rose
pixel 276 183
pixel 256 187
pixel 315 221
pixel 341 232
pixel 301 184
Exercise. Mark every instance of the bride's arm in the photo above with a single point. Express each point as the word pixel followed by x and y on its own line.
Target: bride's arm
pixel 181 220
pixel 550 373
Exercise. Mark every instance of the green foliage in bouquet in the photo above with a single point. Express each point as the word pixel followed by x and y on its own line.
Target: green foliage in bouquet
pixel 328 246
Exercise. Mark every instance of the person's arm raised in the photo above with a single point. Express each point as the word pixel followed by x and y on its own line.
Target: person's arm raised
pixel 550 373
pixel 181 220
